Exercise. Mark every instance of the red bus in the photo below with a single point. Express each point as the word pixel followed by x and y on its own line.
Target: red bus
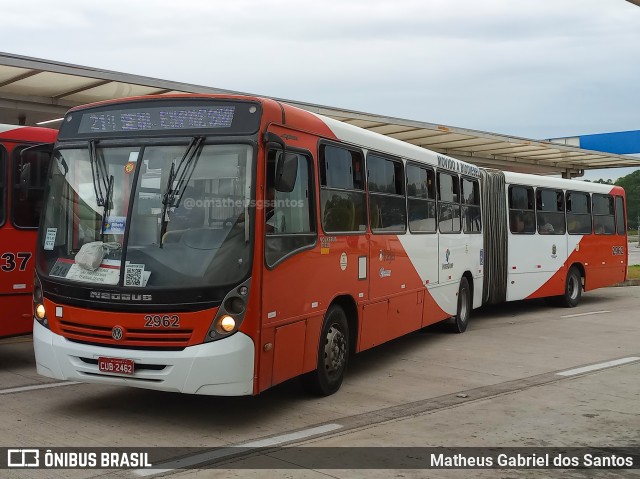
pixel 224 244
pixel 22 180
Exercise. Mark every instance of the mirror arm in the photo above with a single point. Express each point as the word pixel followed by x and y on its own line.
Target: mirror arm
pixel 270 137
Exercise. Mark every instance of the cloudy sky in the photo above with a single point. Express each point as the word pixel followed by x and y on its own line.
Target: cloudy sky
pixel 531 68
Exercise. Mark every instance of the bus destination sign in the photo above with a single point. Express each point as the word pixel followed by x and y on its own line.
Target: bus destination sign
pixel 139 118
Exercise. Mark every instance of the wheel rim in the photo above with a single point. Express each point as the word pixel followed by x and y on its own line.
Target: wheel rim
pixel 573 287
pixel 335 351
pixel 464 306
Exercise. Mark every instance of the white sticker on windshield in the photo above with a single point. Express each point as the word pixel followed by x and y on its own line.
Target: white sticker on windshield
pixel 50 238
pixel 100 275
pixel 134 275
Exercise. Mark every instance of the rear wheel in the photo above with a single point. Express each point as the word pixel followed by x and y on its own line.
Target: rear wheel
pixel 461 319
pixel 333 354
pixel 572 288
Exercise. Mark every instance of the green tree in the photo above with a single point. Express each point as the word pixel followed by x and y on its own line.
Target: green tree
pixel 631 185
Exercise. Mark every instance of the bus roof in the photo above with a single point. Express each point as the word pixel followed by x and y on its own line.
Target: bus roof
pixel 560 183
pixel 27 133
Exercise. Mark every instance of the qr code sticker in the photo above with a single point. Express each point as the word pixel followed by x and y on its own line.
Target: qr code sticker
pixel 133 275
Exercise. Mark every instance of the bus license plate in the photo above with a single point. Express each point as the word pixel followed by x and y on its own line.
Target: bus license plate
pixel 115 365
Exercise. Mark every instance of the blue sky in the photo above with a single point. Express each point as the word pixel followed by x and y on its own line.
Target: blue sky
pixel 543 69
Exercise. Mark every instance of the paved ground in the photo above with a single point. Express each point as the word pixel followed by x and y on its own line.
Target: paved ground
pixel 495 385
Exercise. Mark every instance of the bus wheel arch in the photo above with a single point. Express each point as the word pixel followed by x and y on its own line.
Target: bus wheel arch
pixel 465 303
pixel 336 343
pixel 349 306
pixel 573 287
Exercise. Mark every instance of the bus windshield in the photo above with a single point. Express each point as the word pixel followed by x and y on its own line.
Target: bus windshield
pixel 148 216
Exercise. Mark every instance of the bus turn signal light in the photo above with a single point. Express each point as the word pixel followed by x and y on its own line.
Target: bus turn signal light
pixel 40 311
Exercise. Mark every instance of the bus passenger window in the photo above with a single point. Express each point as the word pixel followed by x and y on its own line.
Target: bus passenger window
pixel 522 218
pixel 342 195
pixel 448 203
pixel 387 208
pixel 603 215
pixel 29 176
pixel 471 222
pixel 578 213
pixel 3 177
pixel 550 212
pixel 421 193
pixel 289 224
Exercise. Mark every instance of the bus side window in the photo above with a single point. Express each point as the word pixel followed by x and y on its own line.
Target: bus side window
pixel 603 215
pixel 621 226
pixel 29 173
pixel 448 203
pixel 550 212
pixel 342 194
pixel 289 219
pixel 3 182
pixel 522 219
pixel 578 213
pixel 471 206
pixel 421 194
pixel 387 206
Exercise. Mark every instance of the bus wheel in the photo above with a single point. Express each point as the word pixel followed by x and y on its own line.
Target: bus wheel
pixel 572 289
pixel 333 354
pixel 461 319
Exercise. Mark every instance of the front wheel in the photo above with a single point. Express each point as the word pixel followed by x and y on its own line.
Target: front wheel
pixel 461 319
pixel 333 354
pixel 572 288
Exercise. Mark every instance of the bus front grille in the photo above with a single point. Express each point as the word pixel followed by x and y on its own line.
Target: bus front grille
pixel 102 335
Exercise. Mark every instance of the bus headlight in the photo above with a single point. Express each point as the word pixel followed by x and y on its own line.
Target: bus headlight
pixel 230 314
pixel 39 311
pixel 227 324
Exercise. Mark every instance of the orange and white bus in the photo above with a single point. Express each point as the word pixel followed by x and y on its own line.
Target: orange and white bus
pixel 224 244
pixel 22 177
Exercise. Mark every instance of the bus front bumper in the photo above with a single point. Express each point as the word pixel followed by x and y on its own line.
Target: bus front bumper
pixel 220 368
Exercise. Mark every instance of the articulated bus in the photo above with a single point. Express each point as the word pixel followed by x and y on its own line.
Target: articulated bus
pixel 23 171
pixel 224 244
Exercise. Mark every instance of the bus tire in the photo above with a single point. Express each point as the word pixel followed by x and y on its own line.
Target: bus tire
pixel 461 319
pixel 333 354
pixel 572 288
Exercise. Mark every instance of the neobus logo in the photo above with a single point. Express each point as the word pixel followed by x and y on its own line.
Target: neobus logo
pixel 120 296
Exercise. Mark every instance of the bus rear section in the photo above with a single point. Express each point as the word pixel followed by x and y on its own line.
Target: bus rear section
pixel 23 170
pixel 559 237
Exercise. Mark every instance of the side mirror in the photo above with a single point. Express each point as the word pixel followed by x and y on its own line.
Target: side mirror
pixel 286 172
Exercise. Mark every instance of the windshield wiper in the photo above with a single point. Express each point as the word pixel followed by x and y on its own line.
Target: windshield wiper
pixel 183 172
pixel 99 177
pixel 108 203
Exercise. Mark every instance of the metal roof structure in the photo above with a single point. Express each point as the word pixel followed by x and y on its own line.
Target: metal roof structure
pixel 34 90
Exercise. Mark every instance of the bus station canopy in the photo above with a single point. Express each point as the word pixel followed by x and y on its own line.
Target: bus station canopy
pixel 35 90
